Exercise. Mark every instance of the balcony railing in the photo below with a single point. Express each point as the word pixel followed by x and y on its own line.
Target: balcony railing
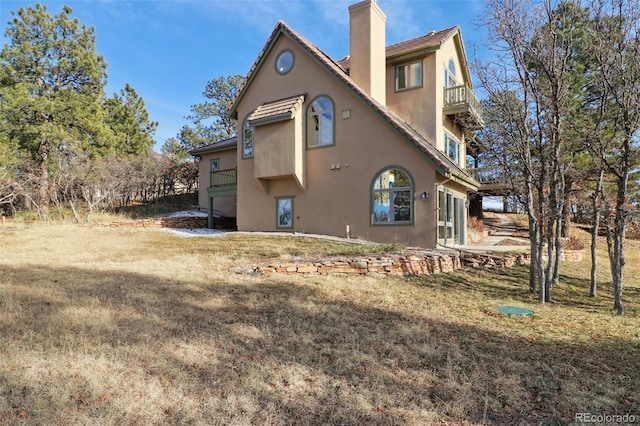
pixel 221 178
pixel 493 177
pixel 461 103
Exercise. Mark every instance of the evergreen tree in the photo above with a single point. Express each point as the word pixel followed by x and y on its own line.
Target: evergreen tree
pixel 211 120
pixel 129 121
pixel 51 84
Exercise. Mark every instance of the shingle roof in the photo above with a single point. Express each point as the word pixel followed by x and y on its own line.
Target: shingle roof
pixel 283 109
pixel 427 41
pixel 215 146
pixel 441 162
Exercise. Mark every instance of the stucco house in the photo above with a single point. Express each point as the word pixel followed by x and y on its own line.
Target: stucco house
pixel 372 146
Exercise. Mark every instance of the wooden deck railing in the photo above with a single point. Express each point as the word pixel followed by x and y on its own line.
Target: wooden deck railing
pixel 493 175
pixel 462 100
pixel 228 177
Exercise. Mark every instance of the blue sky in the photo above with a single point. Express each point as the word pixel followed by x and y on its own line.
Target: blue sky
pixel 168 49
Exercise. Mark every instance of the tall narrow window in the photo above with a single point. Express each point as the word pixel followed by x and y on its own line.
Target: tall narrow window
pixel 450 81
pixel 409 75
pixel 320 123
pixel 452 148
pixel 247 140
pixel 451 218
pixel 392 196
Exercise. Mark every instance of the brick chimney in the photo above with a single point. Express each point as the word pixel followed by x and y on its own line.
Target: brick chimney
pixel 367 48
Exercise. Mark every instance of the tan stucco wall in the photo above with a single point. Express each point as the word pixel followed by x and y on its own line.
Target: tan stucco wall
pixel 338 178
pixel 367 48
pixel 228 160
pixel 448 51
pixel 420 107
pixel 279 150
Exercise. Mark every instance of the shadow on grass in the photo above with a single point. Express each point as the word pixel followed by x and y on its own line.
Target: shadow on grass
pixel 159 207
pixel 267 350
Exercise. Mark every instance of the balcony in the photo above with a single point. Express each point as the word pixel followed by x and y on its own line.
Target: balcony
pixel 461 104
pixel 492 179
pixel 223 183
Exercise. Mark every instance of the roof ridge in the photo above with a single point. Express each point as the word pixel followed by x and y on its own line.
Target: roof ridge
pixel 431 33
pixel 443 163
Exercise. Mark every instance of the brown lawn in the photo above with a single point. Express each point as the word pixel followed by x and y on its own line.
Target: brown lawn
pixel 139 327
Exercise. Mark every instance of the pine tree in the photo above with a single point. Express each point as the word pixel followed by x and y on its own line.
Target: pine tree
pixel 52 87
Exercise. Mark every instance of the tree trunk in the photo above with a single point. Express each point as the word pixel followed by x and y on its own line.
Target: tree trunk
pixel 618 261
pixel 533 265
pixel 594 234
pixel 44 200
pixel 566 210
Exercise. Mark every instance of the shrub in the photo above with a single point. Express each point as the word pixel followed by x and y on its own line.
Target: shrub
pixel 475 224
pixel 573 243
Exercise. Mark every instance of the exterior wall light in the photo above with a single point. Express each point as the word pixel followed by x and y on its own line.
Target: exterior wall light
pixel 424 195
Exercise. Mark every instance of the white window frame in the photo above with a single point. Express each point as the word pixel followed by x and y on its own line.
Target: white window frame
pixel 451 143
pixel 450 79
pixel 413 75
pixel 452 210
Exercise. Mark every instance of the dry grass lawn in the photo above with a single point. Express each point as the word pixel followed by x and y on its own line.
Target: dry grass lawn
pixel 138 327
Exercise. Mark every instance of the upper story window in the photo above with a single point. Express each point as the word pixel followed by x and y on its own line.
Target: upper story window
pixel 284 62
pixel 214 165
pixel 409 75
pixel 320 123
pixel 452 148
pixel 450 79
pixel 247 140
pixel 392 195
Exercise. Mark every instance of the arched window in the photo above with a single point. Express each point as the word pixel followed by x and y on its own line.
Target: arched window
pixel 392 197
pixel 452 67
pixel 450 79
pixel 320 123
pixel 247 140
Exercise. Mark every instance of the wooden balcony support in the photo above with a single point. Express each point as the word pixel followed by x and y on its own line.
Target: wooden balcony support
pixel 491 178
pixel 223 183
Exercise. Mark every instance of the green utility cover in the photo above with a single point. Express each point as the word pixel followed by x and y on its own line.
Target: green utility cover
pixel 513 310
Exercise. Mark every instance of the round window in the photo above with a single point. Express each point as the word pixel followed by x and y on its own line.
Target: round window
pixel 284 62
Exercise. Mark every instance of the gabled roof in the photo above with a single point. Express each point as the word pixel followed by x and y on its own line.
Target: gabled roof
pixel 429 41
pixel 442 163
pixel 215 146
pixel 271 112
pixel 421 46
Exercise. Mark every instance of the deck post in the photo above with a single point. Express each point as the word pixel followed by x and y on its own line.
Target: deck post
pixel 210 223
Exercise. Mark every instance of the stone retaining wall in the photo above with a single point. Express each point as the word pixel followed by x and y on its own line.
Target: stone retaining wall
pixel 164 222
pixel 386 265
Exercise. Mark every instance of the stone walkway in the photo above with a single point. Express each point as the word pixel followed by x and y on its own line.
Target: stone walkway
pixel 502 239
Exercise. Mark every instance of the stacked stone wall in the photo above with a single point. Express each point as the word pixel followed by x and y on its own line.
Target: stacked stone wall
pixel 386 265
pixel 164 222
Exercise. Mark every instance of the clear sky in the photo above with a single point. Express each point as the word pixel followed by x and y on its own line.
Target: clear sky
pixel 167 50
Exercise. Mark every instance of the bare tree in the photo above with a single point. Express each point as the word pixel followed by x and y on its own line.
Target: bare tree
pixel 616 50
pixel 529 89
